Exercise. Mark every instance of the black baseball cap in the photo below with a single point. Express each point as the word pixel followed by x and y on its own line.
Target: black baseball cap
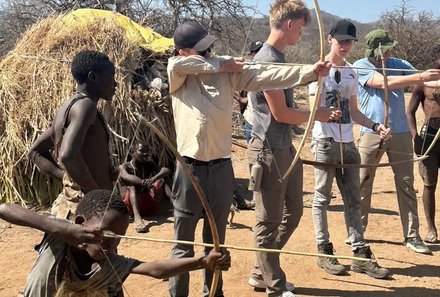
pixel 255 46
pixel 344 30
pixel 191 34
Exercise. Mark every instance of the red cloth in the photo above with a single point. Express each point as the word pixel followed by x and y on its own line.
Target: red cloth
pixel 147 205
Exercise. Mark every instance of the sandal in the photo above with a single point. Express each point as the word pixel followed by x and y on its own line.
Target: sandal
pixel 141 228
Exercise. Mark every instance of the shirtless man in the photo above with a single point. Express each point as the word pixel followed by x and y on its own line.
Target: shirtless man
pixel 78 135
pixel 144 184
pixel 429 97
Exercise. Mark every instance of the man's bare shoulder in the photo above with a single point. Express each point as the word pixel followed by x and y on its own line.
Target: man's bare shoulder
pixel 69 112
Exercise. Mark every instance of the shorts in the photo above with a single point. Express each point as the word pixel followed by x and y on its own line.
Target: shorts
pixel 428 168
pixel 146 202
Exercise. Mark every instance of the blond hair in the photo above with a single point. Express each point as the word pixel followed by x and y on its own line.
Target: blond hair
pixel 283 10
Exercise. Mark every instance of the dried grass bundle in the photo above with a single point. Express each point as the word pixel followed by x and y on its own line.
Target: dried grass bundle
pixel 35 79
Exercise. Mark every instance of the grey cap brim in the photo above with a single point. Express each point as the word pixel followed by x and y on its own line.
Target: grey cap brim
pixel 345 37
pixel 205 43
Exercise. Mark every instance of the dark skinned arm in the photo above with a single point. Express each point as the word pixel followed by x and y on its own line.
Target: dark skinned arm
pixel 163 172
pixel 82 117
pixel 128 178
pixel 73 234
pixel 172 267
pixel 41 156
pixel 417 96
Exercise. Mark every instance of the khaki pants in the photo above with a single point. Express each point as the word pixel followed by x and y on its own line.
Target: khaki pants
pixel 398 148
pixel 278 210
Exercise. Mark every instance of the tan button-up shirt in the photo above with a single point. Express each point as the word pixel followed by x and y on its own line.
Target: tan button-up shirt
pixel 202 99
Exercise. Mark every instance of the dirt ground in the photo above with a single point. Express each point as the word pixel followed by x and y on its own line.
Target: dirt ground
pixel 413 274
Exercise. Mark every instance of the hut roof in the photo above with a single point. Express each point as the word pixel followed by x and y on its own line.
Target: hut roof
pixel 35 79
pixel 142 36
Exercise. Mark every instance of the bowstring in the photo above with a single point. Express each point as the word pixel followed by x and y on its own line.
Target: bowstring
pixel 429 117
pixel 115 272
pixel 108 205
pixel 250 63
pixel 273 157
pixel 119 175
pixel 426 132
pixel 342 67
pixel 250 27
pixel 337 78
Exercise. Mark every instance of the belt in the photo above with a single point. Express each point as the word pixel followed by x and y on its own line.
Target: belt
pixel 195 162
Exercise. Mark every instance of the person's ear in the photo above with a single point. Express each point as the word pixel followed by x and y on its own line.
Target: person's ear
pixel 329 39
pixel 182 53
pixel 91 76
pixel 289 24
pixel 79 220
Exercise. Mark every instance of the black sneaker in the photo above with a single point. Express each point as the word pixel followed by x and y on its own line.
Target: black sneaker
pixel 370 268
pixel 330 265
pixel 417 245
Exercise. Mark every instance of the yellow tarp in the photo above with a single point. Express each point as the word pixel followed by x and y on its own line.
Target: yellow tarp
pixel 142 36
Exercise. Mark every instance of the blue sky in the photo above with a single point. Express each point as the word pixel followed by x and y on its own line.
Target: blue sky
pixel 361 11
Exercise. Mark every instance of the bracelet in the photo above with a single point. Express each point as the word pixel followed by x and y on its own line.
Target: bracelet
pixel 374 126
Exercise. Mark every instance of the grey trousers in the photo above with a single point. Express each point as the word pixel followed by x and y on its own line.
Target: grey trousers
pixel 398 148
pixel 278 210
pixel 328 151
pixel 217 181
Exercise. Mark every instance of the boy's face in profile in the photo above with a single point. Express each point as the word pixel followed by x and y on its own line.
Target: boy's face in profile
pixel 437 63
pixel 142 155
pixel 114 221
pixel 105 82
pixel 294 28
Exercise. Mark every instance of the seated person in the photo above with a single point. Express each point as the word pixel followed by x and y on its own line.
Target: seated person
pixel 75 259
pixel 144 184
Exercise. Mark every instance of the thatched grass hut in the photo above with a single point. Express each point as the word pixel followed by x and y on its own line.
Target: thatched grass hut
pixel 35 79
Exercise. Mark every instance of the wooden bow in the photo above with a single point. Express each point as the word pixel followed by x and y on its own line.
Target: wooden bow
pixel 313 104
pixel 437 135
pixel 200 194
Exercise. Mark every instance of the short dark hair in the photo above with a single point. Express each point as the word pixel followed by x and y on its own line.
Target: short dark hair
pixel 139 143
pixel 87 61
pixel 96 202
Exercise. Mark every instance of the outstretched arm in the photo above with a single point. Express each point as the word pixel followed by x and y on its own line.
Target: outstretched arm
pixel 377 80
pixel 40 155
pixel 71 233
pixel 172 267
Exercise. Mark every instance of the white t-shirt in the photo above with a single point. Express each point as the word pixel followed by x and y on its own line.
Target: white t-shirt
pixel 346 88
pixel 248 116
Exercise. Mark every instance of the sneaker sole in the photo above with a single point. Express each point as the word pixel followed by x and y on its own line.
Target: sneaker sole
pixel 358 269
pixel 259 288
pixel 420 251
pixel 256 285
